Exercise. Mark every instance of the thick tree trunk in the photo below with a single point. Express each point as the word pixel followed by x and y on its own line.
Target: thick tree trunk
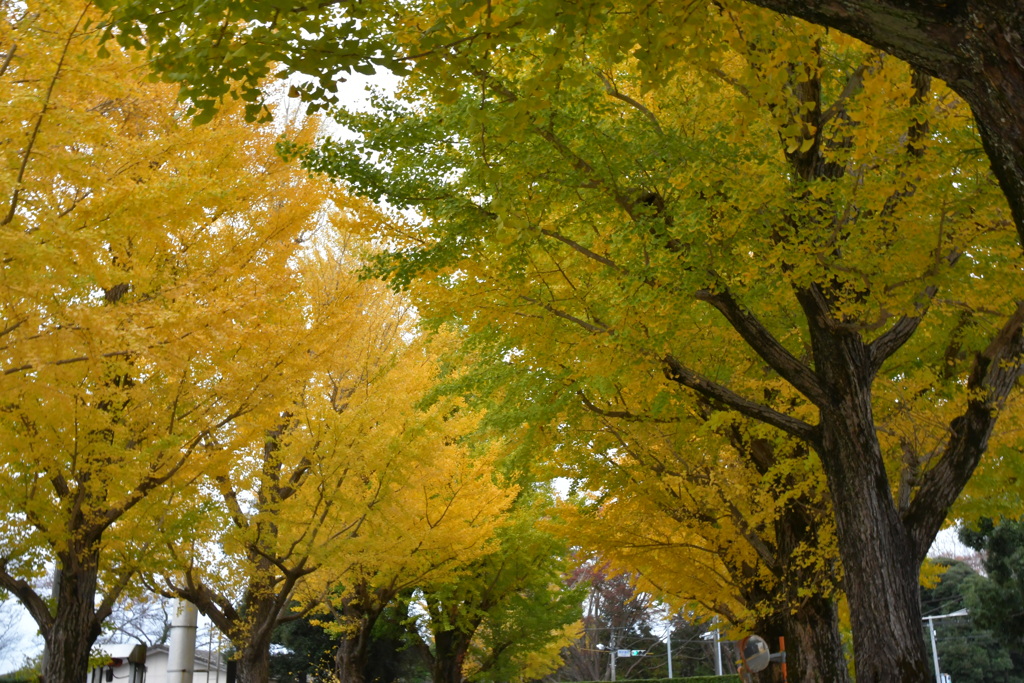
pixel 810 624
pixel 75 627
pixel 450 649
pixel 350 661
pixel 880 565
pixel 252 630
pixel 814 645
pixel 807 617
pixel 254 664
pixel 879 559
pixel 998 107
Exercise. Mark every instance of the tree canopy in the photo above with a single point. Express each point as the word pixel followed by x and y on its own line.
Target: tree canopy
pixel 152 316
pixel 795 326
pixel 802 265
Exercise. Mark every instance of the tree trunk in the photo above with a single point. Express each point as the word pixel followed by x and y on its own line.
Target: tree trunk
pixel 254 664
pixel 350 661
pixel 810 624
pixel 450 649
pixel 879 560
pixel 814 646
pixel 75 627
pixel 807 616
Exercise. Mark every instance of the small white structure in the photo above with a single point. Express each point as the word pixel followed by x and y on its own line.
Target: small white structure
pixel 183 643
pixel 124 665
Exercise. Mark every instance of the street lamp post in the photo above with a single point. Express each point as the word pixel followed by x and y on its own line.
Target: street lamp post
pixel 931 630
pixel 715 635
pixel 668 644
pixel 613 652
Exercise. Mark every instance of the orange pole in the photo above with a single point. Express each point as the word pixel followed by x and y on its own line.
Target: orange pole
pixel 782 649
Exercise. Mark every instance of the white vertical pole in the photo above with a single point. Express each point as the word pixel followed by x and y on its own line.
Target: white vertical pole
pixel 181 657
pixel 718 654
pixel 668 642
pixel 615 653
pixel 935 651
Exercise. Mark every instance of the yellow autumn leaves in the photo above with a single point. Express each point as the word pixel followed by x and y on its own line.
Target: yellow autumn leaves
pixel 196 384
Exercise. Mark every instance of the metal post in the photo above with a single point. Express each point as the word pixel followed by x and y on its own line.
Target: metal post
pixel 718 654
pixel 931 630
pixel 615 653
pixel 935 651
pixel 668 642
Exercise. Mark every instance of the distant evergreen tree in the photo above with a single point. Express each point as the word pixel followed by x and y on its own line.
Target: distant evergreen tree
pixel 309 654
pixel 968 652
pixel 998 602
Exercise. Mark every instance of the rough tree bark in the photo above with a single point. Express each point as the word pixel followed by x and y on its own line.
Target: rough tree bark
pixel 75 625
pixel 450 648
pixel 807 616
pixel 876 548
pixel 72 623
pixel 881 545
pixel 810 624
pixel 254 664
pixel 363 611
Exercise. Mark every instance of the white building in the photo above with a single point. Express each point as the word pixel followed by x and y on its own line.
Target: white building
pixel 134 663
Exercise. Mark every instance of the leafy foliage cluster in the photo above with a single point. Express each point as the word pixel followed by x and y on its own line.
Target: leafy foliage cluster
pixel 201 396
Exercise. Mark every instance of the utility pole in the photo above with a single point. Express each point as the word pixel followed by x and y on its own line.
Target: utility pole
pixel 181 656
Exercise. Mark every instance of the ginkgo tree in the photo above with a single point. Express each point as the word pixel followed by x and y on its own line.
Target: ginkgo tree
pixel 851 214
pixel 444 508
pixel 741 531
pixel 507 613
pixel 971 46
pixel 356 486
pixel 744 511
pixel 813 265
pixel 144 280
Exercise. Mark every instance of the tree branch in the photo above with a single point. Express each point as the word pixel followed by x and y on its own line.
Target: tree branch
pixel 923 34
pixel 995 373
pixel 882 348
pixel 619 414
pixel 610 88
pixel 589 327
pixel 677 372
pixel 7 59
pixel 30 145
pixel 28 598
pixel 766 345
pixel 581 249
